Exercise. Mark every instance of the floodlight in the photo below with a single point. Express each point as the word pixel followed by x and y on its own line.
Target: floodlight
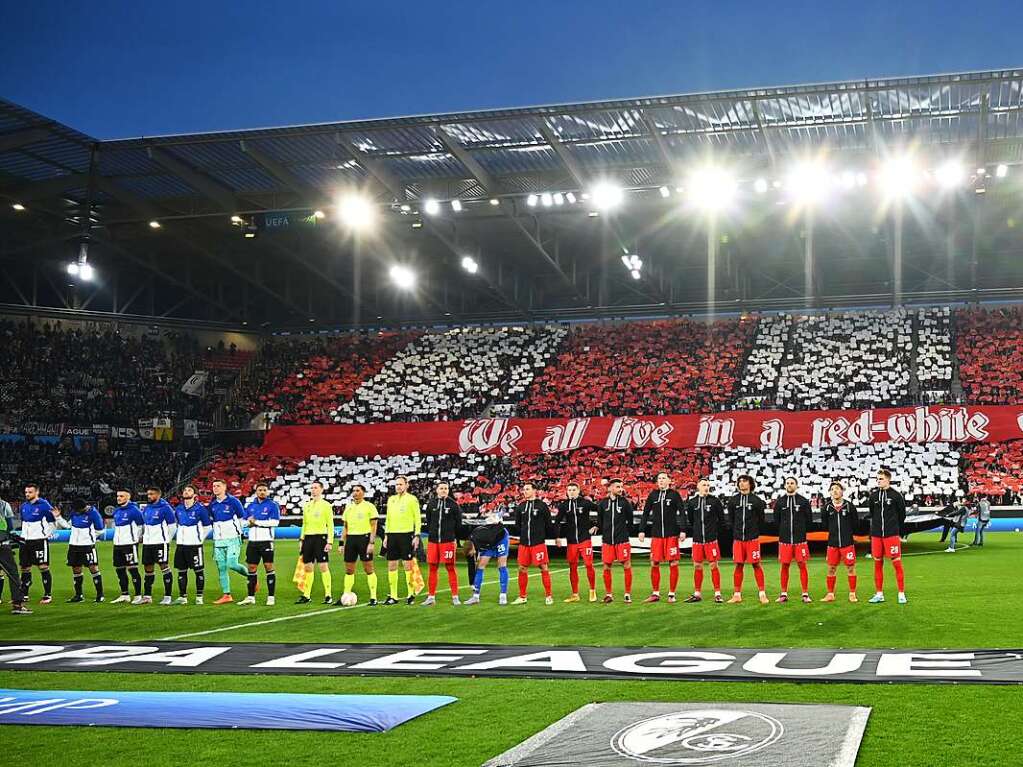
pixel 949 174
pixel 356 211
pixel 470 265
pixel 607 195
pixel 432 207
pixel 403 277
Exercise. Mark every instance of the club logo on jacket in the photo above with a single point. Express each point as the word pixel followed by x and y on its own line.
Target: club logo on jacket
pixel 705 736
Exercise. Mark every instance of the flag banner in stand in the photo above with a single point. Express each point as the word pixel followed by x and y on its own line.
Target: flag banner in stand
pixel 760 429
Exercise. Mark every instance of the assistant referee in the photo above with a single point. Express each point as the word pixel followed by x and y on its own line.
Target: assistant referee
pixel 316 539
pixel 401 538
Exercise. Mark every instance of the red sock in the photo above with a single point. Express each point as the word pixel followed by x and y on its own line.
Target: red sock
pixel 758 573
pixel 900 574
pixel 628 580
pixel 879 574
pixel 715 578
pixel 573 578
pixel 737 578
pixel 591 576
pixel 852 583
pixel 607 579
pixel 831 584
pixel 784 576
pixel 523 583
pixel 672 577
pixel 804 577
pixel 655 577
pixel 453 578
pixel 545 576
pixel 698 579
pixel 433 580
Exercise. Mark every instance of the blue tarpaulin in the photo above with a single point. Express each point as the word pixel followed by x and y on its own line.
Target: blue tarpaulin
pixel 215 710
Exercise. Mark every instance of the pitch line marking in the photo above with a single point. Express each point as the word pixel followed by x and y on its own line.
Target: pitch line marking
pixel 283 618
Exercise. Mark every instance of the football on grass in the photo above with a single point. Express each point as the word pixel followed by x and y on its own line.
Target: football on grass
pixel 348 599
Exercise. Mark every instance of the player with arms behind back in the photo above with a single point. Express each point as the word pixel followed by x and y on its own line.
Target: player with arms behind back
pixel 533 521
pixel 614 523
pixel 158 528
pixel 38 518
pixel 887 515
pixel 663 515
pixel 443 523
pixel 746 515
pixel 128 524
pixel 193 521
pixel 264 516
pixel 840 519
pixel 574 521
pixel 706 518
pixel 792 511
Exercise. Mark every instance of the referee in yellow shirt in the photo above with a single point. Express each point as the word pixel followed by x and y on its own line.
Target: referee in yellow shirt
pixel 401 538
pixel 358 540
pixel 316 539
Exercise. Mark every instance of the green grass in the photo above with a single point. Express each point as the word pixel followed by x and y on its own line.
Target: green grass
pixel 970 599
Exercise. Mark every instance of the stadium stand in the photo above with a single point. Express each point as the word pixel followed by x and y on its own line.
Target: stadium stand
pixel 453 374
pixel 470 477
pixel 995 470
pixel 759 385
pixel 630 368
pixel 934 353
pixel 66 474
pixel 847 360
pixel 241 469
pixel 49 373
pixel 592 467
pixel 301 380
pixel 989 345
pixel 921 472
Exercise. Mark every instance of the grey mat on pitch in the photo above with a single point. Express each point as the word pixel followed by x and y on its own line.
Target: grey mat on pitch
pixel 723 734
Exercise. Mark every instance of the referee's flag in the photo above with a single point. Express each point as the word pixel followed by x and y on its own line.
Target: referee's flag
pixel 417 579
pixel 300 575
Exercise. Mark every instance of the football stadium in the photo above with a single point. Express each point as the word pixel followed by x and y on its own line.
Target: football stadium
pixel 677 430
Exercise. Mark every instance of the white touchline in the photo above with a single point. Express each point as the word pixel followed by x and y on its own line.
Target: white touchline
pixel 250 624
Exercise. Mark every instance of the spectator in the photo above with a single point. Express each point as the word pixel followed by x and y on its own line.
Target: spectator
pixel 983 514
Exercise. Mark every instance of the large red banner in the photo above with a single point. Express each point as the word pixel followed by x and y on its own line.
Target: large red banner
pixel 765 429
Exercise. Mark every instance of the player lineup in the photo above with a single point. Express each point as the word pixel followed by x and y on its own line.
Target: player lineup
pixel 143 538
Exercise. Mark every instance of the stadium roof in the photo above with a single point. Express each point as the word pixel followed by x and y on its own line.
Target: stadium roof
pixel 535 260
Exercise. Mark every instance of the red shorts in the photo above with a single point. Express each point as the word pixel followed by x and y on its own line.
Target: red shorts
pixel 615 552
pixel 845 555
pixel 789 551
pixel 664 549
pixel 440 552
pixel 533 555
pixel 582 549
pixel 746 551
pixel 709 551
pixel 890 546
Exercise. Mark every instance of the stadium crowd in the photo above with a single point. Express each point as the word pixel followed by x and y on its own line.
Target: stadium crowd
pixel 49 373
pixel 653 368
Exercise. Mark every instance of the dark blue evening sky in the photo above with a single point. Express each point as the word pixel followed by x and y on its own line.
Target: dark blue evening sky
pixel 144 68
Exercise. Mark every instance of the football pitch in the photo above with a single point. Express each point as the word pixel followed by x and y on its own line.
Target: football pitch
pixel 970 599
